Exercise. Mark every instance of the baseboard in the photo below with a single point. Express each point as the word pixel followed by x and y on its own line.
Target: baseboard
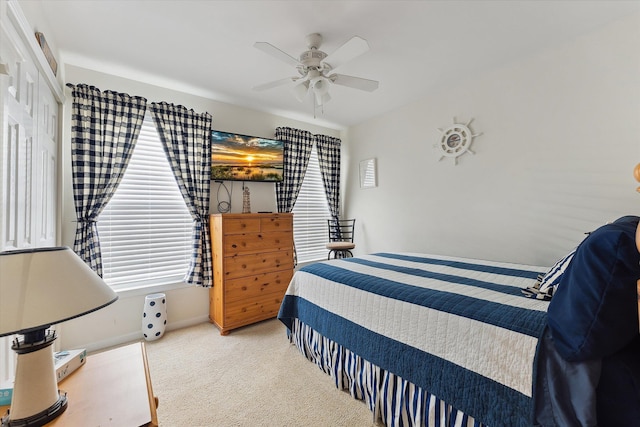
pixel 137 335
pixel 188 322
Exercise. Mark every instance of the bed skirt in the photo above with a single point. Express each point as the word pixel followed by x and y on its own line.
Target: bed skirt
pixel 392 400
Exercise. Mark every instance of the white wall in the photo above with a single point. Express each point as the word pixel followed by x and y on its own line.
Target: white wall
pixel 121 321
pixel 561 136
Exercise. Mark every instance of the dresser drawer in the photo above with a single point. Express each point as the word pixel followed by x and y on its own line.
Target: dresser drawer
pixel 248 288
pixel 240 313
pixel 275 223
pixel 257 242
pixel 241 225
pixel 252 264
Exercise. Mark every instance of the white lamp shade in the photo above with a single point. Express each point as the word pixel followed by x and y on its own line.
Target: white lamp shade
pixel 44 286
pixel 320 85
pixel 300 90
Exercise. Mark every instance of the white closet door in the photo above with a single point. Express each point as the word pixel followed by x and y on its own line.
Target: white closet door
pixel 19 89
pixel 28 147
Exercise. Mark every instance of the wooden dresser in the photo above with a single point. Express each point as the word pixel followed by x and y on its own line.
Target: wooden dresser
pixel 252 267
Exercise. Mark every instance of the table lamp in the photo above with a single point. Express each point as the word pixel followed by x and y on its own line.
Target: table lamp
pixel 39 288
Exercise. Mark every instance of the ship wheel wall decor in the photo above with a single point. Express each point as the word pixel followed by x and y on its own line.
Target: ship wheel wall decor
pixel 456 140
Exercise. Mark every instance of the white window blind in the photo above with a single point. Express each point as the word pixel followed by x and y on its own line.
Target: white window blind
pixel 310 214
pixel 145 230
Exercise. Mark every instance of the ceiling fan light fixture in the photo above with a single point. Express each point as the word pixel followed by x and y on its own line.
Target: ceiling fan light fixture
pixel 323 99
pixel 314 67
pixel 300 90
pixel 320 86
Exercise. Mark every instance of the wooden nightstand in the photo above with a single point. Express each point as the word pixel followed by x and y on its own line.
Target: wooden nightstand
pixel 112 388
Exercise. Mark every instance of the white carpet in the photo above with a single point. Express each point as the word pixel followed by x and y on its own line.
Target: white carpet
pixel 251 377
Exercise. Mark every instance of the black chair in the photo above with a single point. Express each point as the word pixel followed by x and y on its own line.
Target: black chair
pixel 340 237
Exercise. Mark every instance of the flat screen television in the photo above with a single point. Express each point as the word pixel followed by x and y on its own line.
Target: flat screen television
pixel 237 157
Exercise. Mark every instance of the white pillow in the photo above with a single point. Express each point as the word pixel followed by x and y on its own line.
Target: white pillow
pixel 551 280
pixel 548 283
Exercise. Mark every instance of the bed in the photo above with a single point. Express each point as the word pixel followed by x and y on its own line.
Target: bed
pixel 431 340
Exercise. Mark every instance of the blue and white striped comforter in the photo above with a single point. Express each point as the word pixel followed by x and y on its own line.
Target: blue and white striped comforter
pixel 458 328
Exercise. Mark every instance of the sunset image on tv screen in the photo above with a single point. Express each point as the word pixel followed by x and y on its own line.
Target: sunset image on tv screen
pixel 236 157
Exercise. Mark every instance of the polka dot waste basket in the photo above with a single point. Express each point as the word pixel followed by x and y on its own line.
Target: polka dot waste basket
pixel 154 316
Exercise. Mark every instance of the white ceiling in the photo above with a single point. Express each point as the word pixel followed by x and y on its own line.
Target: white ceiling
pixel 416 47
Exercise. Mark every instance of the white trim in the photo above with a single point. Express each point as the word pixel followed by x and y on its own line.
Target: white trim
pixel 144 290
pixel 26 34
pixel 95 346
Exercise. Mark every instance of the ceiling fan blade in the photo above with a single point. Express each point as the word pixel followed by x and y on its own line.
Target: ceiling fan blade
pixel 354 82
pixel 275 83
pixel 354 47
pixel 270 49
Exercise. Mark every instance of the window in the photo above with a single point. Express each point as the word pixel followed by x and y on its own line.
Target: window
pixel 145 230
pixel 310 214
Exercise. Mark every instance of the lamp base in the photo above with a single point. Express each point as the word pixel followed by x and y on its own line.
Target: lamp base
pixel 36 399
pixel 40 418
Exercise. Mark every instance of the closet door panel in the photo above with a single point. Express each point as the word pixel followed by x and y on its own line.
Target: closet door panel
pixel 45 171
pixel 19 89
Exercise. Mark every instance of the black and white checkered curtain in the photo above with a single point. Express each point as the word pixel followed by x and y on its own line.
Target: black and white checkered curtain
pixel 329 161
pixel 104 129
pixel 186 138
pixel 297 150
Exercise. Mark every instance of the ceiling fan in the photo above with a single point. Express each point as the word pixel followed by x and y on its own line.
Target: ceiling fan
pixel 316 68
